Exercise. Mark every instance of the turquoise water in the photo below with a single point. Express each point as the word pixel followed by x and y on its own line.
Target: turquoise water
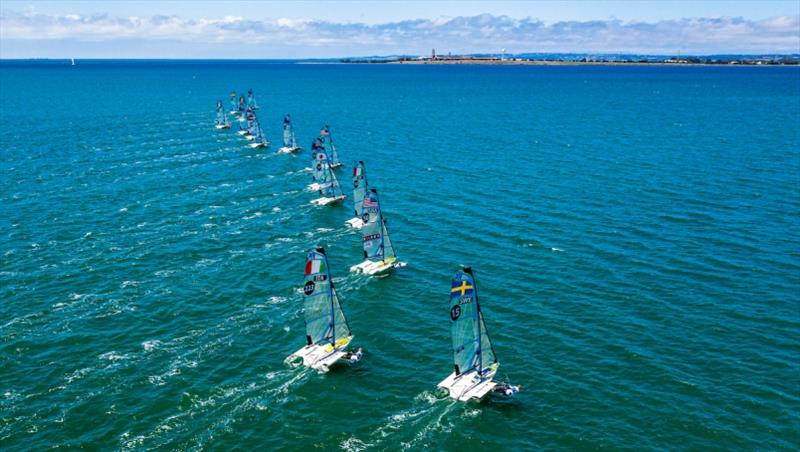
pixel 635 233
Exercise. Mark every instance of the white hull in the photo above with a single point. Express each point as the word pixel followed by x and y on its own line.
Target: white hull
pixel 327 201
pixel 242 132
pixel 468 386
pixel 319 357
pixel 234 112
pixel 249 137
pixel 369 267
pixel 222 126
pixel 241 119
pixel 313 187
pixel 288 150
pixel 336 165
pixel 355 223
pixel 258 145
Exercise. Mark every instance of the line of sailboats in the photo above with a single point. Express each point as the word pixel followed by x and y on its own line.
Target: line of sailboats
pixel 328 335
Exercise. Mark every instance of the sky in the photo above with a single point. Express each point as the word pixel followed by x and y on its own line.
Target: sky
pixel 331 29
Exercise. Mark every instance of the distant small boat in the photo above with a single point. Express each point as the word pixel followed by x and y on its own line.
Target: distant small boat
pixel 475 363
pixel 318 156
pixel 325 182
pixel 325 134
pixel 234 105
pixel 222 118
pixel 73 61
pixel 327 332
pixel 258 138
pixel 360 187
pixel 251 100
pixel 379 254
pixel 247 129
pixel 289 141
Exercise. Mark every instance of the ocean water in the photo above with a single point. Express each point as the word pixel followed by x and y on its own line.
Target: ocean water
pixel 634 231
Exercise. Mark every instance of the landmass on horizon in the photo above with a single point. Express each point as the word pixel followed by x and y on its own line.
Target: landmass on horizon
pixel 573 58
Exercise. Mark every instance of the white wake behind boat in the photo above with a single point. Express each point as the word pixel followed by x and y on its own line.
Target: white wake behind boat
pixel 475 364
pixel 327 333
pixel 379 254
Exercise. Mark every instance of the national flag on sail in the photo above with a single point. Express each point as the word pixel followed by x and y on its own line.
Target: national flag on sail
pixel 324 132
pixel 370 202
pixel 315 266
pixel 461 288
pixel 357 171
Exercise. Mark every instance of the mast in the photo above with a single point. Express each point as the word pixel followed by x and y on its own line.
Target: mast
pixel 476 320
pixel 331 294
pixel 360 186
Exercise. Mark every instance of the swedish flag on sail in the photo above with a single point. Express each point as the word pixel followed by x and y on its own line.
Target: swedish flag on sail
pixel 461 289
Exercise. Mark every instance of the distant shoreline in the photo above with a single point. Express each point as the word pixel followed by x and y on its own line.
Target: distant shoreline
pixel 489 62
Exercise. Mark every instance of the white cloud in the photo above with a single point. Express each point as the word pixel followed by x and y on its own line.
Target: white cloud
pixel 483 33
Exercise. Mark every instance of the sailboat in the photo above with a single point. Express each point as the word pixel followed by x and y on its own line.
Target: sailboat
pixel 324 134
pixel 326 182
pixel 248 129
pixel 222 119
pixel 474 360
pixel 379 254
pixel 251 100
pixel 243 110
pixel 234 106
pixel 258 138
pixel 73 61
pixel 289 142
pixel 327 332
pixel 360 187
pixel 318 157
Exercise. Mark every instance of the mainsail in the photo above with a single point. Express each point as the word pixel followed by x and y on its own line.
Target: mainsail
pixel 234 105
pixel 319 165
pixel 472 348
pixel 374 235
pixel 325 320
pixel 325 134
pixel 359 187
pixel 222 117
pixel 288 133
pixel 328 184
pixel 251 100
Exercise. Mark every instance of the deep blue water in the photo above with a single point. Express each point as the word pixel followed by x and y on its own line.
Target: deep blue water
pixel 635 233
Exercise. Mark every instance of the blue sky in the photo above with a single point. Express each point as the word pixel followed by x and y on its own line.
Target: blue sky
pixel 279 29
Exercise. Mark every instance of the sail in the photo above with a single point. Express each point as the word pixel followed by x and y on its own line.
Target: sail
pixel 334 156
pixel 234 105
pixel 372 231
pixel 359 187
pixel 319 165
pixel 472 348
pixel 251 100
pixel 388 249
pixel 288 136
pixel 259 133
pixel 325 321
pixel 329 185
